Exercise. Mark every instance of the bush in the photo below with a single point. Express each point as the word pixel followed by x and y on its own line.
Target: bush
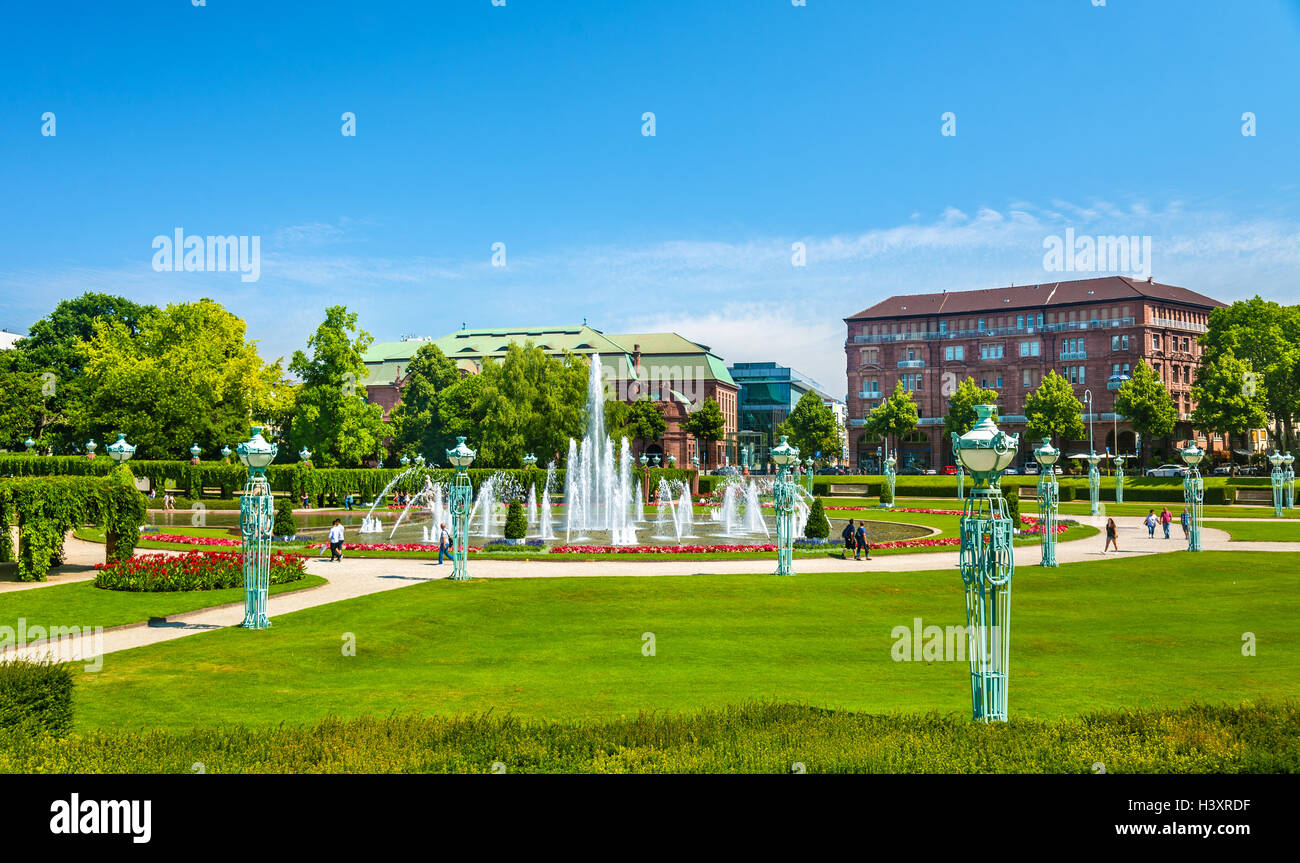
pixel 1012 498
pixel 36 696
pixel 284 523
pixel 817 527
pixel 197 570
pixel 886 496
pixel 516 524
pixel 1066 492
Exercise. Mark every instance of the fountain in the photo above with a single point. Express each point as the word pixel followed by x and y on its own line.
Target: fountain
pixel 685 514
pixel 531 506
pixel 754 522
pixel 640 503
pixel 597 486
pixel 547 527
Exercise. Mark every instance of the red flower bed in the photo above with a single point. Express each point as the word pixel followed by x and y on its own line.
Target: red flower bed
pixel 192 540
pixel 390 546
pixel 196 570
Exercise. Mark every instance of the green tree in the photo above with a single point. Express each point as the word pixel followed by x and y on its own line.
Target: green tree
pixel 640 421
pixel 188 375
pixel 1053 411
pixel 1226 401
pixel 331 415
pixel 817 526
pixel 813 428
pixel 530 401
pixel 417 424
pixel 707 424
pixel 460 414
pixel 1266 336
pixel 516 521
pixel 1146 403
pixel 896 416
pixel 22 406
pixel 961 407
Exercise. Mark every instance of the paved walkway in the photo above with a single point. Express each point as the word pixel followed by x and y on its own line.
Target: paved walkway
pixel 355 577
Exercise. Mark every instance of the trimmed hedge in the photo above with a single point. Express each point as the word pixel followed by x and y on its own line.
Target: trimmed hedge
pixel 35 696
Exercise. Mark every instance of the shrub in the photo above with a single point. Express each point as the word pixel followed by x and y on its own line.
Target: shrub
pixel 284 524
pixel 1013 506
pixel 197 570
pixel 516 524
pixel 817 527
pixel 886 496
pixel 36 696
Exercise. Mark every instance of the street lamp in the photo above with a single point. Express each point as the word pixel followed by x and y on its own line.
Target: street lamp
pixel 256 518
pixel 194 453
pixel 695 461
pixel 1119 476
pixel 672 460
pixel 1288 460
pixel 404 460
pixel 890 477
pixel 784 456
pixel 91 446
pixel 419 459
pixel 29 443
pixel 808 475
pixel 1094 480
pixel 1193 493
pixel 655 460
pixel 461 457
pixel 225 453
pixel 529 460
pixel 304 454
pixel 1048 496
pixel 119 450
pixel 1279 479
pixel 987 562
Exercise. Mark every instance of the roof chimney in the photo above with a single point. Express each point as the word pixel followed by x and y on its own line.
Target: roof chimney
pixel 636 357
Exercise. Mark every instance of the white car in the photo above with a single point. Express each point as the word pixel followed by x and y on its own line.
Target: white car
pixel 1168 470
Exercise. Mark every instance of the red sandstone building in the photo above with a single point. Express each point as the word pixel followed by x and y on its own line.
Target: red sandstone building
pixel 1090 331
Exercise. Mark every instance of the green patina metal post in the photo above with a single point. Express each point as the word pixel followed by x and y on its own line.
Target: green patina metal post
pixel 1278 478
pixel 890 476
pixel 1288 460
pixel 1048 495
pixel 1193 494
pixel 1119 478
pixel 987 563
pixel 1094 482
pixel 784 457
pixel 461 457
pixel 808 474
pixel 256 518
pixel 961 482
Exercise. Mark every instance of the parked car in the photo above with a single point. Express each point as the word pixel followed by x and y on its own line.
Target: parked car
pixel 1223 470
pixel 831 471
pixel 1168 470
pixel 950 470
pixel 911 470
pixel 1031 468
pixel 1010 472
pixel 729 470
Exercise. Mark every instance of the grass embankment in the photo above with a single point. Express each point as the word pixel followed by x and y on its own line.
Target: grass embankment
pixel 83 604
pixel 1127 632
pixel 754 738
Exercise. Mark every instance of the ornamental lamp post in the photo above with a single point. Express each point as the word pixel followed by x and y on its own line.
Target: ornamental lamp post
pixel 1119 478
pixel 672 460
pixel 890 477
pixel 1193 493
pixel 404 460
pixel 784 457
pixel 1288 460
pixel 225 453
pixel 655 460
pixel 29 443
pixel 256 518
pixel 808 475
pixel 91 446
pixel 461 457
pixel 194 453
pixel 1278 478
pixel 119 450
pixel 304 454
pixel 987 562
pixel 1094 481
pixel 529 460
pixel 419 459
pixel 1048 496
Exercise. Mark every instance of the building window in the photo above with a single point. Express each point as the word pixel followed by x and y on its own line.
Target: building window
pixel 980 325
pixel 990 352
pixel 1026 379
pixel 999 383
pixel 1020 322
pixel 1155 342
pixel 955 353
pixel 1114 343
pixel 943 327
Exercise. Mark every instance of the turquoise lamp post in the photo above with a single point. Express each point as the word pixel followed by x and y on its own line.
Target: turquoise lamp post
pixel 29 443
pixel 1193 494
pixel 461 457
pixel 419 459
pixel 784 457
pixel 655 460
pixel 1094 482
pixel 890 477
pixel 1119 478
pixel 225 453
pixel 256 518
pixel 808 473
pixel 987 562
pixel 304 454
pixel 961 481
pixel 194 453
pixel 1288 460
pixel 404 461
pixel 1278 478
pixel 530 460
pixel 119 450
pixel 91 446
pixel 1048 497
pixel 672 461
pixel 695 462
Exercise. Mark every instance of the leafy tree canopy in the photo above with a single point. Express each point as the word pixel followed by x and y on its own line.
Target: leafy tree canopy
pixel 961 406
pixel 896 416
pixel 1054 411
pixel 1146 403
pixel 812 427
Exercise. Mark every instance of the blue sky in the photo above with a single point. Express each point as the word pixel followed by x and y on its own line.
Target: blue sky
pixel 522 125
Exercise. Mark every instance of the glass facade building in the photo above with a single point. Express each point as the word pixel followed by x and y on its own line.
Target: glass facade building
pixel 768 393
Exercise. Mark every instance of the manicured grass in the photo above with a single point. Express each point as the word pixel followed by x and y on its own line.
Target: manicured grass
pixel 750 738
pixel 1258 531
pixel 1128 632
pixel 83 604
pixel 1029 506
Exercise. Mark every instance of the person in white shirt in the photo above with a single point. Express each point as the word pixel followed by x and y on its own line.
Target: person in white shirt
pixel 336 541
pixel 444 543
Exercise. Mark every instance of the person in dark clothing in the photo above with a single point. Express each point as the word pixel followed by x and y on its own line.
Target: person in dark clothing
pixel 862 547
pixel 850 540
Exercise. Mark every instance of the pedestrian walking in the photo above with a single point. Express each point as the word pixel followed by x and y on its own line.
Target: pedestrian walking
pixel 850 540
pixel 1186 521
pixel 444 543
pixel 1165 518
pixel 336 541
pixel 1150 522
pixel 861 546
pixel 1111 536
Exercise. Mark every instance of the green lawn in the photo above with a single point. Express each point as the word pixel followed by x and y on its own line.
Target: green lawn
pixel 1158 631
pixel 1258 531
pixel 83 604
pixel 1029 506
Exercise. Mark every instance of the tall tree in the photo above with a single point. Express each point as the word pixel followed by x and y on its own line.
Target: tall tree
pixel 1227 399
pixel 813 428
pixel 707 424
pixel 331 415
pixel 187 376
pixel 22 406
pixel 1266 335
pixel 896 416
pixel 1054 411
pixel 416 423
pixel 961 407
pixel 640 421
pixel 1146 403
pixel 531 401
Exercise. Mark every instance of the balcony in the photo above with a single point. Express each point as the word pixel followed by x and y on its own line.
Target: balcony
pixel 857 423
pixel 1169 323
pixel 873 394
pixel 1074 355
pixel 1114 385
pixel 1063 326
pixel 911 364
pixel 1012 418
